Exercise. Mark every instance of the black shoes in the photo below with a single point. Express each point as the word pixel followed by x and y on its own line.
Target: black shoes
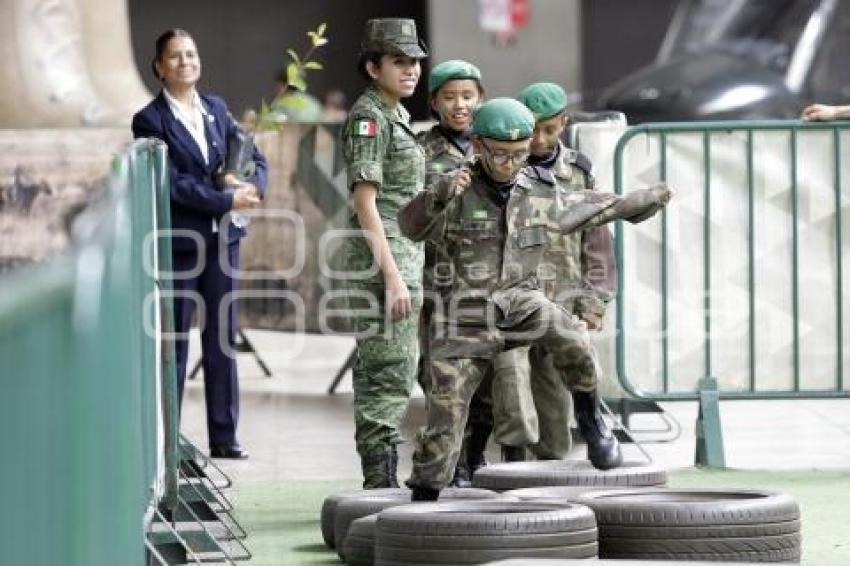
pixel 513 453
pixel 380 470
pixel 475 445
pixel 228 452
pixel 603 449
pixel 392 471
pixel 419 493
pixel 462 478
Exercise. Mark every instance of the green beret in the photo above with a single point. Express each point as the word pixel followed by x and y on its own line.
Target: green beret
pixel 451 71
pixel 545 100
pixel 503 119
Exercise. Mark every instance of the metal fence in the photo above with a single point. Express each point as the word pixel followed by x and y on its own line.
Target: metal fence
pixel 737 290
pixel 88 404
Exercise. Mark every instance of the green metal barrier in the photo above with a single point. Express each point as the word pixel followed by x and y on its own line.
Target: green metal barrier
pixel 84 383
pixel 715 138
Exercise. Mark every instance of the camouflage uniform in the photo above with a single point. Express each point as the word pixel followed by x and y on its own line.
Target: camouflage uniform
pixel 531 405
pixel 442 157
pixel 493 302
pixel 381 149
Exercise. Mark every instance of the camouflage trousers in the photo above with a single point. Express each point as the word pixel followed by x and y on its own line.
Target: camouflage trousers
pixel 387 350
pixel 528 319
pixel 532 405
pixel 481 412
pixel 383 376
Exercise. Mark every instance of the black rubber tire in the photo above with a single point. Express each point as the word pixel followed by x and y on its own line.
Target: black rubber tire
pixel 331 501
pixel 706 524
pixel 515 475
pixel 359 547
pixel 558 493
pixel 478 532
pixel 602 562
pixel 351 508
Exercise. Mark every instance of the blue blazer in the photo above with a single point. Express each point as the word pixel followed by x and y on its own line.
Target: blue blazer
pixel 195 199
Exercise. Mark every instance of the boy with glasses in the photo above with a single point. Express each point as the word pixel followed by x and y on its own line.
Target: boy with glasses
pixel 494 222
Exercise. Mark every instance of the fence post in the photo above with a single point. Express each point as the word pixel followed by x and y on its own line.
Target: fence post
pixel 709 433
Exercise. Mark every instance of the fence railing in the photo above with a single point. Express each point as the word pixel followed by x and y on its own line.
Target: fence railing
pixel 88 393
pixel 737 290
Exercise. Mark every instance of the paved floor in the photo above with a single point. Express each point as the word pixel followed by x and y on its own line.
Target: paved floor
pixel 295 430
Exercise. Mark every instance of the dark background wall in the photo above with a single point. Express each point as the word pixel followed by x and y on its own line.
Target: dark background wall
pixel 243 44
pixel 619 37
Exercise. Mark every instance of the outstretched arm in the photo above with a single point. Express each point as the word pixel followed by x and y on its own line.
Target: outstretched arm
pixel 589 209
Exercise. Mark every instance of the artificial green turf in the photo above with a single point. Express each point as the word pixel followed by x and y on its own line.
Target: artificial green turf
pixel 282 518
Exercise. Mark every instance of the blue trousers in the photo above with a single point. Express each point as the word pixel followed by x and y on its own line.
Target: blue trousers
pixel 221 383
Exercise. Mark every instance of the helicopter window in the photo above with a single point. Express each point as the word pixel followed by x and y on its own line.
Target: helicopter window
pixel 829 80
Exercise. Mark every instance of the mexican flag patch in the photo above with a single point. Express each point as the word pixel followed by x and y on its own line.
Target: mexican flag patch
pixel 366 128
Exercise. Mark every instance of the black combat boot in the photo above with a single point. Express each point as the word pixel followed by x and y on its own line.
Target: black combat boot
pixel 419 493
pixel 392 472
pixel 476 444
pixel 603 449
pixel 462 477
pixel 513 453
pixel 378 470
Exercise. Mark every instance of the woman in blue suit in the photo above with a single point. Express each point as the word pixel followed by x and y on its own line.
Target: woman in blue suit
pixel 205 242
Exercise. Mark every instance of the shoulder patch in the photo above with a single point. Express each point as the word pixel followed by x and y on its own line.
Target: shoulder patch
pixel 581 161
pixel 365 127
pixel 541 174
pixel 525 178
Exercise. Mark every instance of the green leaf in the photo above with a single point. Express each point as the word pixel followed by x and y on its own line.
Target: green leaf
pixel 316 39
pixel 313 65
pixel 299 83
pixel 293 74
pixel 293 55
pixel 322 27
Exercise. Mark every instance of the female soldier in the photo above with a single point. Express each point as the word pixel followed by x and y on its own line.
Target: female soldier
pixel 196 128
pixel 386 168
pixel 455 92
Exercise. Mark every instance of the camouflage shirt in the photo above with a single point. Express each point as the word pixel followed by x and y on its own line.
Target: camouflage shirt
pixel 443 157
pixel 495 249
pixel 380 148
pixel 578 270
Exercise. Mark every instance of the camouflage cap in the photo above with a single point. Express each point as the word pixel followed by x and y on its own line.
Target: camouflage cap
pixel 393 36
pixel 503 119
pixel 451 71
pixel 545 100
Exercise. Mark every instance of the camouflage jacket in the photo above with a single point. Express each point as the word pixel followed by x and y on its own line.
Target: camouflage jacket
pixel 380 148
pixel 578 271
pixel 495 250
pixel 442 158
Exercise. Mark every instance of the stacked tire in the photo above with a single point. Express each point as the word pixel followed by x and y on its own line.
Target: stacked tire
pixel 560 512
pixel 685 524
pixel 549 562
pixel 340 512
pixel 479 532
pixel 359 545
pixel 516 475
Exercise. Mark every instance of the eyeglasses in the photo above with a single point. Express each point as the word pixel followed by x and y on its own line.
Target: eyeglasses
pixel 502 157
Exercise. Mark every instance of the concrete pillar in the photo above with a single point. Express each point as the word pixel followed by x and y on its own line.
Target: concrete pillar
pixel 51 52
pixel 109 54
